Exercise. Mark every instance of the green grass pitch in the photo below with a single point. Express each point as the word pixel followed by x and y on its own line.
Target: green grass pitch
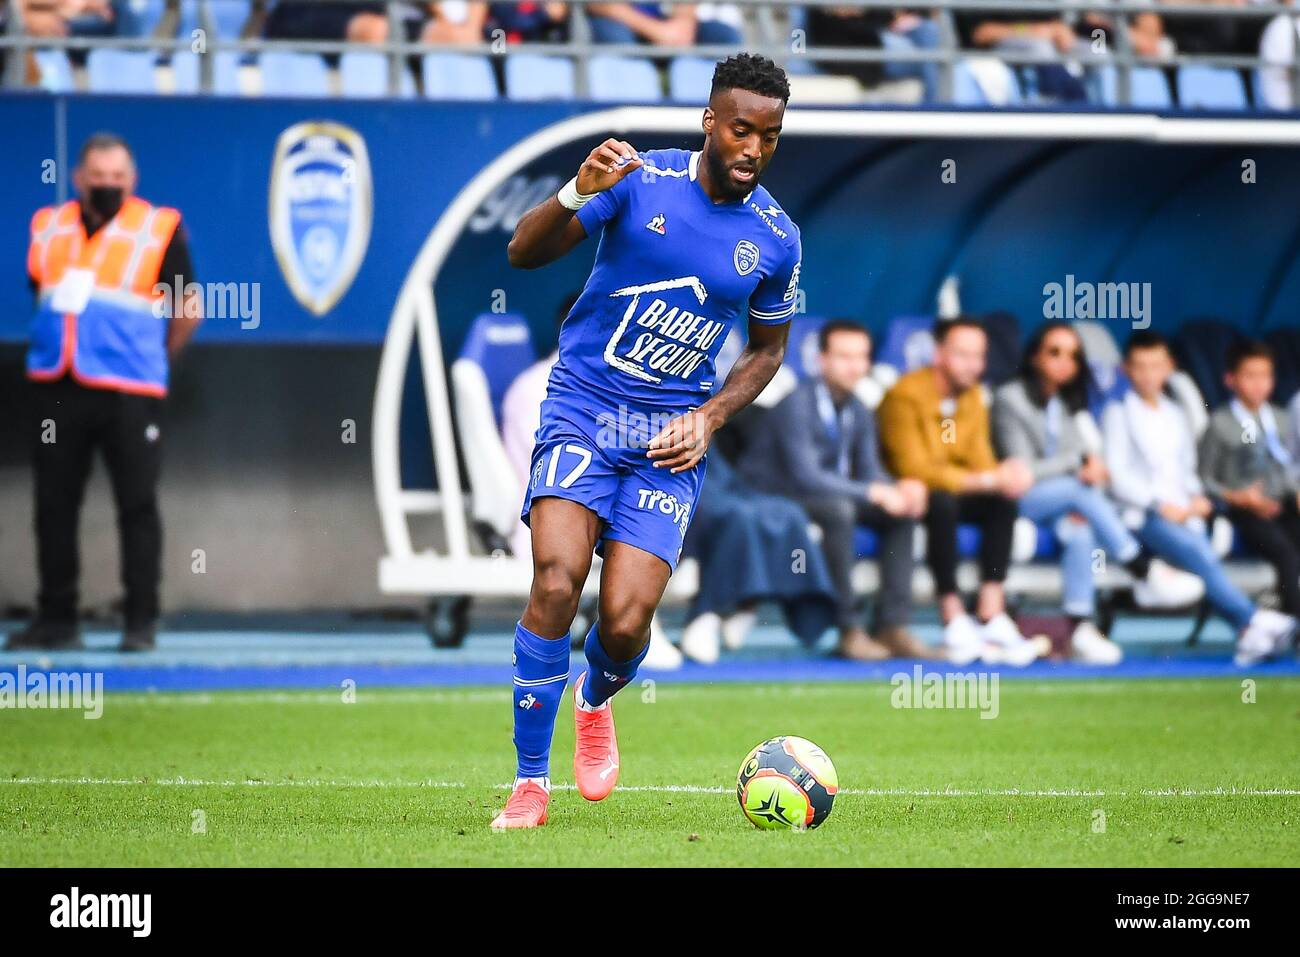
pixel 1100 772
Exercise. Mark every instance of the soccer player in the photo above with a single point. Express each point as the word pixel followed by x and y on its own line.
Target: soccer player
pixel 690 246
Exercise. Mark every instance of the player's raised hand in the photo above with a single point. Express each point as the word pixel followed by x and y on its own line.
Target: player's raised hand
pixel 682 442
pixel 606 165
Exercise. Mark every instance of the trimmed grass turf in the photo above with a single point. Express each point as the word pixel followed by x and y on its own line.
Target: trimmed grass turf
pixel 304 779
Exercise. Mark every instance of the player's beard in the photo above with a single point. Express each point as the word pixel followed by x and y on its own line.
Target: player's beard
pixel 720 176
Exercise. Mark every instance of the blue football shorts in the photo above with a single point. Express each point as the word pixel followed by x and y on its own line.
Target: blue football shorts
pixel 592 451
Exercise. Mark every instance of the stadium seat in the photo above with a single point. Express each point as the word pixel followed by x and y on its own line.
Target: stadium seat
pixel 228 17
pixel 1286 360
pixel 225 78
pixel 1148 88
pixel 294 74
pixel 1104 362
pixel 121 71
pixel 458 76
pixel 1210 88
pixel 139 18
pixel 1200 347
pixel 907 344
pixel 532 76
pixel 1003 330
pixel 364 73
pixel 689 79
pixel 801 347
pixel 984 81
pixel 622 79
pixel 496 350
pixel 55 70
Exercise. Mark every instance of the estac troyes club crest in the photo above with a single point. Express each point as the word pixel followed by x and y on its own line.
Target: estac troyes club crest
pixel 320 210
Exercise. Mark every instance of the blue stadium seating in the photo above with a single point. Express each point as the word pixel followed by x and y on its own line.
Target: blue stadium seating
pixel 1148 89
pixel 907 343
pixel 121 71
pixel 1210 88
pixel 1201 348
pixel 502 346
pixel 966 90
pixel 139 18
pixel 228 17
pixel 55 70
pixel 689 79
pixel 622 79
pixel 458 76
pixel 294 74
pixel 185 70
pixel 1286 360
pixel 365 73
pixel 532 76
pixel 801 347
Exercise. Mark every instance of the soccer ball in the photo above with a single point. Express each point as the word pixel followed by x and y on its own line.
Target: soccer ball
pixel 786 782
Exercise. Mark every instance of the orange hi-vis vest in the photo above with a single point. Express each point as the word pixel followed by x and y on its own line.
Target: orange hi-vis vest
pixel 95 315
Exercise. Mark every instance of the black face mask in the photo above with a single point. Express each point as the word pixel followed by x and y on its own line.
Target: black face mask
pixel 105 201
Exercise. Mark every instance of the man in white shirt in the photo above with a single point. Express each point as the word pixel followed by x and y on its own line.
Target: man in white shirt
pixel 1151 454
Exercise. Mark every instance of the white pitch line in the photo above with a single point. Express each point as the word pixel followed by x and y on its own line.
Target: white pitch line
pixel 662 788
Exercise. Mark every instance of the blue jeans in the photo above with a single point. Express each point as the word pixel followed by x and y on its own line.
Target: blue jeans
pixel 923 36
pixel 1056 500
pixel 707 32
pixel 1190 550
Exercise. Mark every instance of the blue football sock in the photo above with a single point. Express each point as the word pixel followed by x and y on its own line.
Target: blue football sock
pixel 541 672
pixel 604 675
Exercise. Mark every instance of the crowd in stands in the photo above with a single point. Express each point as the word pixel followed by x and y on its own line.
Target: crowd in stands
pixel 941 453
pixel 1084 36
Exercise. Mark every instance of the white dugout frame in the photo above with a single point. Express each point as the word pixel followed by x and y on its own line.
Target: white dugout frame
pixel 414 321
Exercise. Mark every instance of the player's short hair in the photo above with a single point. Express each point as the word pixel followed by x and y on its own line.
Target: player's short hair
pixel 1145 339
pixel 942 327
pixel 103 141
pixel 749 71
pixel 838 325
pixel 1244 349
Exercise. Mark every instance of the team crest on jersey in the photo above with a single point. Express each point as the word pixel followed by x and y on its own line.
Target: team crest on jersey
pixel 745 257
pixel 656 225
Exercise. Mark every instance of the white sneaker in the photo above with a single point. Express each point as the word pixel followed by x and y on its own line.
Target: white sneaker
pixel 1167 587
pixel 962 640
pixel 662 656
pixel 1003 643
pixel 1090 646
pixel 1268 635
pixel 702 638
pixel 736 628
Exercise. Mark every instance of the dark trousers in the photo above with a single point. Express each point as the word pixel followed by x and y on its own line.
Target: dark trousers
pixel 837 517
pixel 1277 541
pixel 996 518
pixel 71 422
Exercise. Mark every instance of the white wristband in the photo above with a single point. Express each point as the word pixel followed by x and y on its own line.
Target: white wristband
pixel 569 196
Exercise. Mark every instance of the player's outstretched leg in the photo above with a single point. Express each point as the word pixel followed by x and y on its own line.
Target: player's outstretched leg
pixel 631 583
pixel 563 536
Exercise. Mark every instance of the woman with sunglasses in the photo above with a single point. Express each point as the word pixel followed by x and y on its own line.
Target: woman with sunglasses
pixel 1042 418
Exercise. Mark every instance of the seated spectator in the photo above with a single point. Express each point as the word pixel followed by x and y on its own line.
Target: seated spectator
pixel 665 25
pixel 1015 31
pixel 1244 462
pixel 1277 50
pixel 1041 417
pixel 935 428
pixel 819 447
pixel 528 21
pixel 68 18
pixel 354 22
pixel 1151 454
pixel 1205 34
pixel 859 27
pixel 745 543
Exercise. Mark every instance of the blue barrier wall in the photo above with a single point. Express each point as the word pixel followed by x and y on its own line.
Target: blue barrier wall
pixel 881 230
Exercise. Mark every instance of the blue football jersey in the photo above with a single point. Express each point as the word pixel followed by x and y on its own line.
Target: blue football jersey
pixel 674 274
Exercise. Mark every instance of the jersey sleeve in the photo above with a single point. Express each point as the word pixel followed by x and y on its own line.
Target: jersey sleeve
pixel 605 205
pixel 773 301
